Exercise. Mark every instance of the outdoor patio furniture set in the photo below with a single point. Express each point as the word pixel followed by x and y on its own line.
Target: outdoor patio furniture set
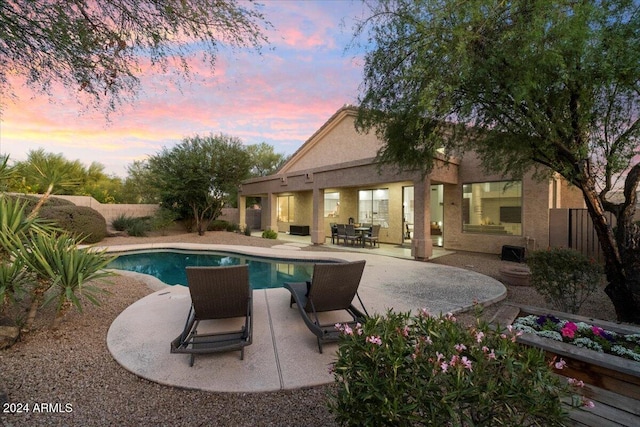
pixel 352 234
pixel 225 293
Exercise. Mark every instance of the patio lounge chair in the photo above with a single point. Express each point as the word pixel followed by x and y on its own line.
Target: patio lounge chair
pixel 217 293
pixel 332 288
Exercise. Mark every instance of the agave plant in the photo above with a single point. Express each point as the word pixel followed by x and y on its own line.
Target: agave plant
pixel 16 226
pixel 58 261
pixel 14 279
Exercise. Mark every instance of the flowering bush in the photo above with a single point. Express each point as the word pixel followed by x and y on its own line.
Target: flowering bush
pixel 581 334
pixel 564 277
pixel 400 369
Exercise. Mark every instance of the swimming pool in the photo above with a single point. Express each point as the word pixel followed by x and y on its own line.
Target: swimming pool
pixel 169 266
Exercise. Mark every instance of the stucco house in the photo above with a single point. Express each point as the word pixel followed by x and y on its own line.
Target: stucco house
pixel 334 178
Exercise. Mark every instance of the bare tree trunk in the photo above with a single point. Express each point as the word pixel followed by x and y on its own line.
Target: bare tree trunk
pixel 619 278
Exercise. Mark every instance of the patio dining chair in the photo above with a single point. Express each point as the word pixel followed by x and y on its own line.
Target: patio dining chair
pixel 332 288
pixel 341 233
pixel 334 232
pixel 217 293
pixel 373 237
pixel 351 235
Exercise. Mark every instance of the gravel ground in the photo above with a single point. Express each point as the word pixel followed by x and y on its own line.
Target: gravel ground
pixel 68 378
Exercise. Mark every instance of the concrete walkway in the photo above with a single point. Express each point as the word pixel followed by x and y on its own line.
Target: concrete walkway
pixel 284 353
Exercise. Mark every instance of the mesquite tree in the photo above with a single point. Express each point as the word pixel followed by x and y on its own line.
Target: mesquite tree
pixel 101 47
pixel 198 176
pixel 550 86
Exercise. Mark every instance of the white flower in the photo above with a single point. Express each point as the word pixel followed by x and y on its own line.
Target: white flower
pixel 550 334
pixel 588 343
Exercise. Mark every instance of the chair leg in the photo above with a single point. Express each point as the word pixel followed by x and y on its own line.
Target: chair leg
pixel 319 345
pixel 192 359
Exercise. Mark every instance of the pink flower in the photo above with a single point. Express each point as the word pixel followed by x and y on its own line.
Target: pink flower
pixel 374 340
pixel 587 403
pixel 460 348
pixel 479 337
pixel 359 328
pixel 444 366
pixel 405 331
pixel 466 363
pixel 560 365
pixel 491 355
pixel 598 331
pixel 569 330
pixel 576 383
pixel 454 360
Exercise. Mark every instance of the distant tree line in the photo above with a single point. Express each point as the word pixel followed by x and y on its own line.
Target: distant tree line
pixel 195 178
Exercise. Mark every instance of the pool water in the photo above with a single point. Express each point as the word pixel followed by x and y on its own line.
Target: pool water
pixel 169 266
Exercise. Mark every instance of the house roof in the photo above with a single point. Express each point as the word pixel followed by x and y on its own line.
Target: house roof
pixel 359 147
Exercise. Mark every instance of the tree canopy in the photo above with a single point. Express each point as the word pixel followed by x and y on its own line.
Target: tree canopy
pixel 551 86
pixel 197 176
pixel 101 47
pixel 264 161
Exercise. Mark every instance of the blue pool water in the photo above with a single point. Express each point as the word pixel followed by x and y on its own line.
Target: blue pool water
pixel 169 266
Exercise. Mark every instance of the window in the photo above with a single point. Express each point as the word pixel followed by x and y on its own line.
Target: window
pixel 373 207
pixel 286 212
pixel 492 208
pixel 331 205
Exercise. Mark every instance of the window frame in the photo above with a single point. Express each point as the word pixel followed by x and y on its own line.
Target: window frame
pixel 490 222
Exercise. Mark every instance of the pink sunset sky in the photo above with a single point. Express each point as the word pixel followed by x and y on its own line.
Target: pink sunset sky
pixel 280 97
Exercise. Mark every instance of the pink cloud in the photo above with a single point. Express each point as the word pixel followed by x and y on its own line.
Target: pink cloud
pixel 280 97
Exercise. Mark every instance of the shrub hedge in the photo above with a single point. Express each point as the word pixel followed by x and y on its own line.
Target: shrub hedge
pixel 79 221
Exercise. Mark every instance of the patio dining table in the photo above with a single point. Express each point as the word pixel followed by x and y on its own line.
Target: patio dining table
pixel 363 231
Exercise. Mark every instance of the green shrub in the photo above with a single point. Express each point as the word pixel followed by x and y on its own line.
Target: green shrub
pixel 404 370
pixel 218 225
pixel 122 222
pixel 232 227
pixel 163 219
pixel 139 228
pixel 247 231
pixel 564 277
pixel 30 201
pixel 269 234
pixel 79 221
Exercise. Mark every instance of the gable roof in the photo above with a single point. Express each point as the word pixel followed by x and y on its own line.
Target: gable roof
pixel 336 141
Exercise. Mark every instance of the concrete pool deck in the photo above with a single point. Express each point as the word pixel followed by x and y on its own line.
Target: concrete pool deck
pixel 284 353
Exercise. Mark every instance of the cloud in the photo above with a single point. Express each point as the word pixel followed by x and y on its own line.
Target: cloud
pixel 280 97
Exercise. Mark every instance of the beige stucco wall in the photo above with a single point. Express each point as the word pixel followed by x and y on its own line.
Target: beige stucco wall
pixel 111 211
pixel 340 143
pixel 535 213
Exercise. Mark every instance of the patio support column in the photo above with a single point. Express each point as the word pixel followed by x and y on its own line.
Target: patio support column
pixel 242 213
pixel 271 211
pixel 317 222
pixel 421 245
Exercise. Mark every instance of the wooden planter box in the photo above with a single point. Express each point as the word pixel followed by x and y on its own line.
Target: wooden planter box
pixel 611 382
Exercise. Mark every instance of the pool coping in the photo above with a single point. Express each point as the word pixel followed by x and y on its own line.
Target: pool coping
pixel 284 352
